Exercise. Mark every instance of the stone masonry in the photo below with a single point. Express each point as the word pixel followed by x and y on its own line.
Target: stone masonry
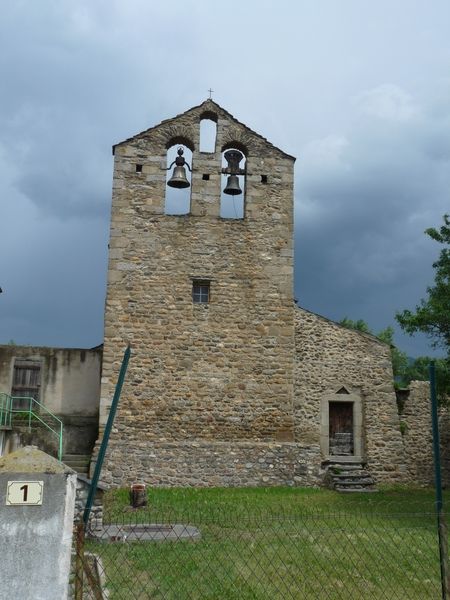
pixel 203 376
pixel 235 391
pixel 330 357
pixel 415 416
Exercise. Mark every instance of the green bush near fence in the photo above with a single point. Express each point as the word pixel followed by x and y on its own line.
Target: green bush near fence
pixel 277 543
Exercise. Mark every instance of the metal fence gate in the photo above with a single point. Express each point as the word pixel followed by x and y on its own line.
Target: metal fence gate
pixel 221 554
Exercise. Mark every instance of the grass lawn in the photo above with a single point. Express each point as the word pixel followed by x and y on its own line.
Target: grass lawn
pixel 277 543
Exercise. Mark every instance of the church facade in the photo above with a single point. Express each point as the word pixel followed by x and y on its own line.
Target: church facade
pixel 229 383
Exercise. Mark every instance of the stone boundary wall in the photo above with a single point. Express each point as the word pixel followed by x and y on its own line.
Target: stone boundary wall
pixel 329 357
pixel 212 464
pixel 415 417
pixel 82 492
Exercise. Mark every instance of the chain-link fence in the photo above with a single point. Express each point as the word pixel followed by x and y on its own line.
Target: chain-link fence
pixel 213 553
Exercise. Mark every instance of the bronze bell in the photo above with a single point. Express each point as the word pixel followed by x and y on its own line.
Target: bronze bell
pixel 179 179
pixel 232 188
pixel 233 158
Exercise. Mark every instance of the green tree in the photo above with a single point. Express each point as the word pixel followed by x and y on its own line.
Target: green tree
pixel 399 358
pixel 359 325
pixel 418 370
pixel 432 315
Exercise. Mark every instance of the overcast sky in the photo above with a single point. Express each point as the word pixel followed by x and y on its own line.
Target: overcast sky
pixel 358 90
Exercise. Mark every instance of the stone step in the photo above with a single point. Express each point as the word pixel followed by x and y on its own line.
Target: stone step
pixel 345 490
pixel 86 457
pixel 351 475
pixel 351 480
pixel 77 462
pixel 340 464
pixel 354 482
pixel 79 470
pixel 337 470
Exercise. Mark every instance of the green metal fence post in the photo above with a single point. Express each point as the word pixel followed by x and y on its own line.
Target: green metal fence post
pixel 106 434
pixel 3 410
pixel 442 529
pixel 60 446
pixel 9 411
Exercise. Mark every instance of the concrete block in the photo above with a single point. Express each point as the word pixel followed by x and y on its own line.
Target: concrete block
pixel 37 501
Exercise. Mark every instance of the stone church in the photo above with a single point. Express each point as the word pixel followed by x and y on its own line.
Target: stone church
pixel 230 383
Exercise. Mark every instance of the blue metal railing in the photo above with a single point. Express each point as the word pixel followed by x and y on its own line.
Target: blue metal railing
pixel 11 405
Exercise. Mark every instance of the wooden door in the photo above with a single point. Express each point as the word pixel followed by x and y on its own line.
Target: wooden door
pixel 26 383
pixel 341 428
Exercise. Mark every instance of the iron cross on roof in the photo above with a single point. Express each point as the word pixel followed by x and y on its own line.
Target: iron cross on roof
pixel 210 93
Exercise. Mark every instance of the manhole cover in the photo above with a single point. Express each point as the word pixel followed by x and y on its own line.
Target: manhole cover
pixel 152 532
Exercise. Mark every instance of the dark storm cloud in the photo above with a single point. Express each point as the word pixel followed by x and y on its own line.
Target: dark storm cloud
pixel 56 298
pixel 366 199
pixel 77 77
pixel 68 78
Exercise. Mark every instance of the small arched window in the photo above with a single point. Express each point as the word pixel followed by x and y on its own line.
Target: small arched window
pixel 178 199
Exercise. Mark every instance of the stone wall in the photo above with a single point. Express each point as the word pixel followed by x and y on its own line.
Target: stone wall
pixel 82 493
pixel 330 357
pixel 207 463
pixel 216 372
pixel 235 391
pixel 415 417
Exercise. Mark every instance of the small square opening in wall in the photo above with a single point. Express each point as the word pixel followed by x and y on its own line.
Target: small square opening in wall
pixel 263 178
pixel 138 168
pixel 205 176
pixel 200 291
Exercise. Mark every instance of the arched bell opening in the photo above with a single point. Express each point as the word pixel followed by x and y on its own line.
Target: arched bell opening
pixel 178 180
pixel 232 197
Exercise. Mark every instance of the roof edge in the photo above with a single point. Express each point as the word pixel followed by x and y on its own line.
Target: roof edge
pixel 370 336
pixel 207 104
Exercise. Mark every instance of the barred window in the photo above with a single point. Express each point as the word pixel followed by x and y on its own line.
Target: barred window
pixel 200 292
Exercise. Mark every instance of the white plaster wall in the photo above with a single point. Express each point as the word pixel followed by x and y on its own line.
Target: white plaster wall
pixel 70 378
